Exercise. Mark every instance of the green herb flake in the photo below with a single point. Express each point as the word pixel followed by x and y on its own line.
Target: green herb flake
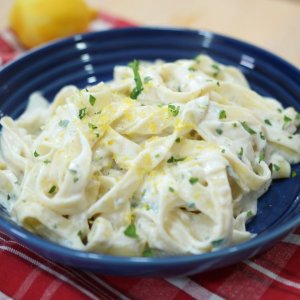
pixel 217 243
pixel 223 150
pixel 36 154
pixel 171 189
pixel 82 113
pixel 219 131
pixel 52 190
pixel 293 174
pixel 249 214
pixel 130 231
pixel 177 140
pixel 92 126
pixel 261 157
pixel 8 197
pixel 72 171
pixel 147 251
pixel 192 69
pixel 179 89
pixel 222 115
pixel 191 205
pixel 172 159
pixel 234 125
pixel 268 122
pixel 275 168
pixel 262 135
pixel 47 161
pixel 173 110
pixel 147 79
pixel 217 69
pixel 286 119
pixel 290 137
pixel 247 128
pixel 134 65
pixel 63 123
pixel 279 110
pixel 92 100
pixel 193 180
pixel 298 116
pixel 240 154
pixel 75 179
pixel 157 155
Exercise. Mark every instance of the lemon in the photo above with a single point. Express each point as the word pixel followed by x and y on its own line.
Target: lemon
pixel 38 21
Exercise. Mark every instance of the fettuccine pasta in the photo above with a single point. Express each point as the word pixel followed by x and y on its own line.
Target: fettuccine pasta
pixel 168 158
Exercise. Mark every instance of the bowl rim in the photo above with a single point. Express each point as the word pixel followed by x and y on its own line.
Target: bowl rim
pixel 36 242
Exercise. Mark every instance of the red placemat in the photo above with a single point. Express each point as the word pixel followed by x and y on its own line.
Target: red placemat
pixel 26 275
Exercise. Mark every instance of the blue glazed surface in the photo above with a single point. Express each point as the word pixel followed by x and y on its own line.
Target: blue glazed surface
pixel 86 59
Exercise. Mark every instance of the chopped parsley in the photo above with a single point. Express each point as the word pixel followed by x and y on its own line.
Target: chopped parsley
pixel 298 116
pixel 173 110
pixel 92 126
pixel 262 135
pixel 171 189
pixel 172 159
pixel 177 140
pixel 52 189
pixel 63 123
pixel 279 110
pixel 147 79
pixel 222 115
pixel 275 168
pixel 192 69
pixel 268 122
pixel 217 243
pixel 234 125
pixel 223 150
pixel 82 113
pixel 249 214
pixel 219 131
pixel 193 180
pixel 47 161
pixel 8 197
pixel 247 128
pixel 217 69
pixel 179 89
pixel 147 251
pixel 74 172
pixel 261 157
pixel 294 174
pixel 286 119
pixel 36 154
pixel 134 65
pixel 218 83
pixel 92 100
pixel 130 231
pixel 240 154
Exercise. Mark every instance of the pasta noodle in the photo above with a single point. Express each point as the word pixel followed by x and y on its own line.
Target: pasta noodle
pixel 168 158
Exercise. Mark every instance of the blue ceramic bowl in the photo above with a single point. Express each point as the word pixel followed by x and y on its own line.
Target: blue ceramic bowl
pixel 86 59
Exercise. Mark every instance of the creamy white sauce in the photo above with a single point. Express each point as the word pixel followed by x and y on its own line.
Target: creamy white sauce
pixel 177 170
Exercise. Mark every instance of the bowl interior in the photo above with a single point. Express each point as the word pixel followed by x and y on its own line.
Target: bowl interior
pixel 87 59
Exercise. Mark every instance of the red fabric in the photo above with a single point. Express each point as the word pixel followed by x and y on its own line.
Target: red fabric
pixel 26 275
